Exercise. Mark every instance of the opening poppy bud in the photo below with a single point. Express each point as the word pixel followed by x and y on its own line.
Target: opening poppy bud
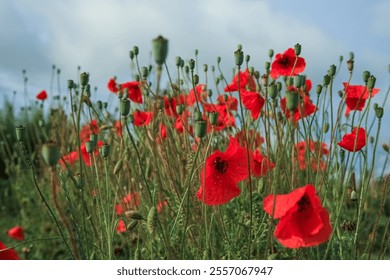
pixel 20 133
pixel 273 91
pixel 213 118
pixel 50 153
pixel 106 149
pixel 379 112
pixel 200 128
pixel 292 99
pixel 125 106
pixel 297 81
pixel 332 70
pixel 354 196
pixel 198 115
pixel 270 53
pixel 385 147
pixel 131 55
pixel 180 109
pixel 319 89
pixel 366 76
pixel 325 128
pixel 136 50
pixel 70 84
pixel 267 65
pixel 191 64
pixel 132 214
pixel 238 57
pixel 196 79
pixel 144 72
pixel 297 49
pixel 326 80
pixel 84 78
pixel 160 49
pixel 152 220
pixel 118 166
pixel 350 64
pixel 371 82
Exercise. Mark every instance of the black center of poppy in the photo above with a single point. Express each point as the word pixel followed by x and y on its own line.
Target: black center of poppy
pixel 303 203
pixel 284 61
pixel 220 165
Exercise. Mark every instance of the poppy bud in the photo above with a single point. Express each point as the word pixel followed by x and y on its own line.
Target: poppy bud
pixel 342 155
pixel 385 147
pixel 267 65
pixel 366 75
pixel 209 92
pixel 292 99
pixel 289 81
pixel 256 74
pixel 238 57
pixel 178 61
pixel 297 81
pixel 131 55
pixel 200 128
pixel 371 82
pixel 132 214
pixel 125 106
pixel 213 118
pixel 375 106
pixel 247 58
pixel 160 49
pixel 332 70
pixel 88 90
pixel 50 153
pixel 326 80
pixel 99 104
pixel 137 78
pixel 379 112
pixel 84 78
pixel 217 80
pixel 205 67
pixel 297 49
pixel 195 79
pixel 20 133
pixel 144 72
pixel 180 109
pixel 350 64
pixel 70 84
pixel 270 53
pixel 106 150
pixel 136 50
pixel 191 64
pixel 273 91
pixel 319 89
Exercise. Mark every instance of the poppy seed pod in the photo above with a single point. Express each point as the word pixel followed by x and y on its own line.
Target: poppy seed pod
pixel 267 65
pixel 270 53
pixel 326 80
pixel 273 91
pixel 297 49
pixel 70 84
pixel 195 79
pixel 371 82
pixel 191 64
pixel 332 70
pixel 136 50
pixel 292 99
pixel 178 61
pixel 319 89
pixel 247 58
pixel 94 138
pixel 125 106
pixel 160 49
pixel 84 78
pixel 379 112
pixel 366 76
pixel 144 72
pixel 238 57
pixel 21 133
pixel 50 153
pixel 297 81
pixel 200 128
pixel 350 64
pixel 213 118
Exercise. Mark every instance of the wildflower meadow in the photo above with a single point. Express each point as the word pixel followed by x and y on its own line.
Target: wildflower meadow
pixel 184 161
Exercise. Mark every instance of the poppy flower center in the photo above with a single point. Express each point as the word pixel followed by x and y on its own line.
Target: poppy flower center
pixel 220 165
pixel 284 62
pixel 303 203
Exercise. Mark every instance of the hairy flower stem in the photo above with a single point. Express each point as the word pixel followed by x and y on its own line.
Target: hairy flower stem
pixel 244 128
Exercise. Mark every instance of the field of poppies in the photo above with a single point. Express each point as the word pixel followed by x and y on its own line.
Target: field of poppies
pixel 189 163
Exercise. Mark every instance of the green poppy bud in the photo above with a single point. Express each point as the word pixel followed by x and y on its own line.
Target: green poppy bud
pixel 198 115
pixel 319 89
pixel 379 112
pixel 270 53
pixel 131 55
pixel 70 84
pixel 292 99
pixel 332 70
pixel 366 76
pixel 178 61
pixel 180 109
pixel 205 67
pixel 136 50
pixel 144 72
pixel 50 153
pixel 273 91
pixel 191 64
pixel 371 82
pixel 247 58
pixel 297 49
pixel 160 49
pixel 125 106
pixel 326 80
pixel 350 64
pixel 297 81
pixel 94 138
pixel 195 79
pixel 200 128
pixel 267 65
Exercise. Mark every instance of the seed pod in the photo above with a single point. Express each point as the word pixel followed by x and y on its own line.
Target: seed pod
pixel 239 57
pixel 297 49
pixel 292 99
pixel 200 128
pixel 50 153
pixel 84 77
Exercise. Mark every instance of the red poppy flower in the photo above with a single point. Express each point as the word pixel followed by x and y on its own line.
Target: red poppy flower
pixel 303 222
pixel 356 97
pixel 225 117
pixel 230 101
pixel 261 164
pixel 131 200
pixel 201 95
pixel 16 233
pixel 112 86
pixel 253 102
pixel 85 155
pixel 8 254
pixel 161 205
pixel 246 82
pixel 134 91
pixel 162 133
pixel 42 95
pixel 70 158
pixel 354 141
pixel 120 227
pixel 142 118
pixel 88 129
pixel 221 174
pixel 305 108
pixel 284 63
pixel 316 152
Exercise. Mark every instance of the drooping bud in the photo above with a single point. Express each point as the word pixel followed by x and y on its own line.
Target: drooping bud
pixel 160 49
pixel 50 153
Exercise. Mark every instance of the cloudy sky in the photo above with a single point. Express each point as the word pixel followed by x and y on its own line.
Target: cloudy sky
pixel 97 35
